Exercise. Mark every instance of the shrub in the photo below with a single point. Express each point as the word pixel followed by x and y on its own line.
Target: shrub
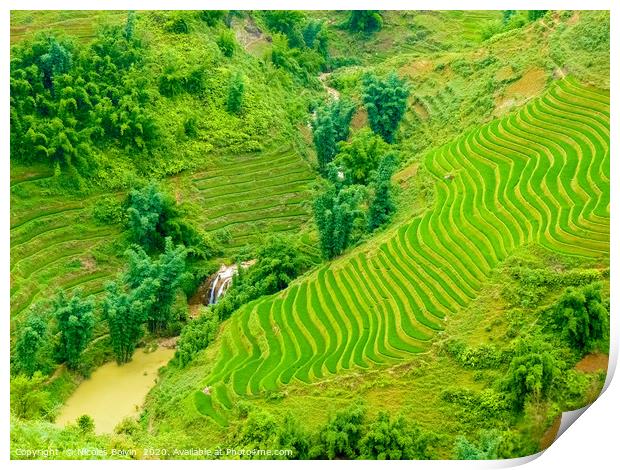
pixel 227 43
pixel 581 317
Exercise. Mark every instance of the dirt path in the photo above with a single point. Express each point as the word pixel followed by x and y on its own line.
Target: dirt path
pixel 332 92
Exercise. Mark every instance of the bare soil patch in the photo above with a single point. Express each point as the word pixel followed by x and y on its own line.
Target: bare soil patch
pixel 593 362
pixel 530 85
pixel 549 435
pixel 360 119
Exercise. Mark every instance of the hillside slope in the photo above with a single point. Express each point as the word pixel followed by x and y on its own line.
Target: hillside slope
pixel 540 175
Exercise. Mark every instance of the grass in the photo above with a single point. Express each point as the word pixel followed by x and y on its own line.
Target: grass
pixel 250 195
pixel 82 25
pixel 55 243
pixel 519 180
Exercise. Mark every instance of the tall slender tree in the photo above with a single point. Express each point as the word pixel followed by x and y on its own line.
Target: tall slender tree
pixel 125 312
pixel 382 205
pixel 75 320
pixel 386 102
pixel 335 212
pixel 162 275
pixel 236 91
pixel 29 344
pixel 330 126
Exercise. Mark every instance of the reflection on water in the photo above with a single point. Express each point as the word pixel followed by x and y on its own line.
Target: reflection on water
pixel 114 392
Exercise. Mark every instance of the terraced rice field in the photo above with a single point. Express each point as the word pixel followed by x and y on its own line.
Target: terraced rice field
pixel 82 25
pixel 53 238
pixel 52 244
pixel 540 175
pixel 249 196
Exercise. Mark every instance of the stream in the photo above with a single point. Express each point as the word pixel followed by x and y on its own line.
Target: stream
pixel 115 392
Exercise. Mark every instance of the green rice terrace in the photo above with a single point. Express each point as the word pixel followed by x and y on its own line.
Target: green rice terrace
pixel 306 235
pixel 377 307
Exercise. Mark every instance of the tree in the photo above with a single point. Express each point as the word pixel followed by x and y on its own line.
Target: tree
pixel 130 25
pixel 287 22
pixel 212 17
pixel 364 21
pixel 507 15
pixel 394 439
pixel 27 397
pixel 381 205
pixel 86 424
pixel 56 61
pixel 486 449
pixel 29 344
pixel 324 137
pixel 236 90
pixel 386 102
pixel 125 312
pixel 534 15
pixel 148 210
pixel 226 42
pixel 330 126
pixel 340 438
pixel 335 213
pixel 531 372
pixel 75 320
pixel 153 215
pixel 581 317
pixel 359 158
pixel 158 280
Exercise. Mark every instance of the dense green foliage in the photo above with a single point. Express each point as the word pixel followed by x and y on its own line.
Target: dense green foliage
pixel 125 312
pixel 235 93
pixel 534 15
pixel 382 203
pixel 386 101
pixel 75 320
pixel 336 211
pixel 28 345
pixel 329 127
pixel 153 215
pixel 144 293
pixel 364 21
pixel 67 101
pixel 162 276
pixel 581 317
pixel 531 372
pixel 28 399
pixel 486 449
pixel 360 157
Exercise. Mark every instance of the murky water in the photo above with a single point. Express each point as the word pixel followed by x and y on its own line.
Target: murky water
pixel 114 392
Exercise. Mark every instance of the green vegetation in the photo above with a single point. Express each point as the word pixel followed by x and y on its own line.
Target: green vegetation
pixel 365 21
pixel 581 317
pixel 416 206
pixel 385 101
pixel 144 293
pixel 331 126
pixel 75 321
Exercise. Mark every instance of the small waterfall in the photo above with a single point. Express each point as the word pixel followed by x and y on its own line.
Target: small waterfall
pixel 217 285
pixel 212 297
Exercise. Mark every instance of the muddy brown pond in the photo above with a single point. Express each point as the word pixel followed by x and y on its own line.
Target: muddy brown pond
pixel 115 392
